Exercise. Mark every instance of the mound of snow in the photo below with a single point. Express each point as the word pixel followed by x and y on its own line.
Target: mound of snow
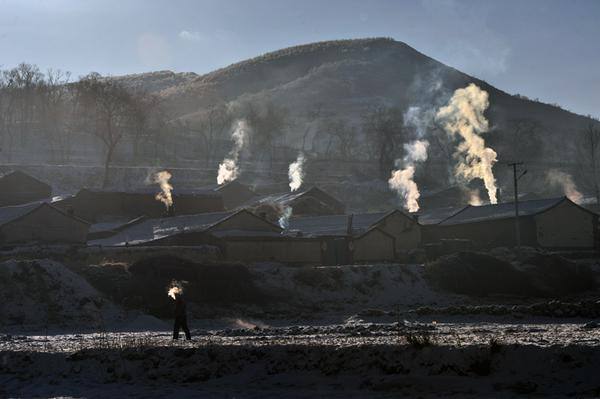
pixel 45 292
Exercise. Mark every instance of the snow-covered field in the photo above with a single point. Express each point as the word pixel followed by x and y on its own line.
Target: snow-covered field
pixel 341 332
pixel 499 357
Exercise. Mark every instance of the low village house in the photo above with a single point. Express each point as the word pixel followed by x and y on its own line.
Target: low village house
pixel 239 236
pixel 40 223
pixel 233 193
pixel 556 223
pixel 310 202
pixel 20 188
pixel 106 206
pixel 360 237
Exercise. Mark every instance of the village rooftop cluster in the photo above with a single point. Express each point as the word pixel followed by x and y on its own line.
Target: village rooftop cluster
pixel 247 227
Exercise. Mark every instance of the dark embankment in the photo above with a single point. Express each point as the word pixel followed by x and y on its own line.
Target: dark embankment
pixel 480 274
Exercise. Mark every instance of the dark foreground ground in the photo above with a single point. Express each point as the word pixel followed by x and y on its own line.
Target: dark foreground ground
pixel 496 357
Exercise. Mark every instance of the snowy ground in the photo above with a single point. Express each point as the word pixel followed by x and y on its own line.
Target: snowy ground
pixel 499 357
pixel 341 332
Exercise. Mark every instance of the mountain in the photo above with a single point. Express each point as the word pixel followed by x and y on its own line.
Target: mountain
pixel 348 77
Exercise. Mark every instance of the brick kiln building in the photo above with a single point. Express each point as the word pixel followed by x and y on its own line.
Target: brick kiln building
pixel 556 223
pixel 40 223
pixel 20 188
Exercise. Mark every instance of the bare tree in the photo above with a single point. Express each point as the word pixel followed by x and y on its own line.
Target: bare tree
pixel 106 111
pixel 589 145
pixel 23 83
pixel 383 127
pixel 313 114
pixel 268 124
pixel 522 139
pixel 214 124
pixel 147 115
pixel 54 113
pixel 343 134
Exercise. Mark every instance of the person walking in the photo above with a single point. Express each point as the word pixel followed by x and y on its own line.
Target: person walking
pixel 180 318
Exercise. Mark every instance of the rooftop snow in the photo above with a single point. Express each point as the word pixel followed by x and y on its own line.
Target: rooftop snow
pixel 334 224
pixel 154 229
pixel 10 213
pixel 437 215
pixel 153 190
pixel 471 214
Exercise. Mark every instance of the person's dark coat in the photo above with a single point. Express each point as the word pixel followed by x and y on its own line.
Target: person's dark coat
pixel 180 318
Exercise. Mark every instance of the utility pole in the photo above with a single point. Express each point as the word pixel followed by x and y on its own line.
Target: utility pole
pixel 516 186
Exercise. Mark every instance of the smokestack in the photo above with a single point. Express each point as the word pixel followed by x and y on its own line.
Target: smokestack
pixel 464 116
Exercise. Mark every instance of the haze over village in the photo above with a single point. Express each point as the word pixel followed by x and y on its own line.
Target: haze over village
pixel 351 199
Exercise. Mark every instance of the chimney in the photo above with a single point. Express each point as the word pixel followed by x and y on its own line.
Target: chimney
pixel 349 229
pixel 171 210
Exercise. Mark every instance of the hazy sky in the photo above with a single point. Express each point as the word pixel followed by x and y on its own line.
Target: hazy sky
pixel 540 48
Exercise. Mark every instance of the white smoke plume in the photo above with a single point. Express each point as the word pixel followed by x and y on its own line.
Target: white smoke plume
pixel 565 181
pixel 296 172
pixel 229 169
pixel 475 198
pixel 162 179
pixel 402 179
pixel 463 116
pixel 284 218
pixel 175 288
pixel 402 182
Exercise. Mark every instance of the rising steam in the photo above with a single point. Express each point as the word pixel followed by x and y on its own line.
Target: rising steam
pixel 565 181
pixel 175 288
pixel 475 198
pixel 162 179
pixel 402 180
pixel 284 218
pixel 296 172
pixel 229 169
pixel 464 116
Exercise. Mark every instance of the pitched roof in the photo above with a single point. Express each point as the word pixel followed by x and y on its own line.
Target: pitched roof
pixel 437 215
pixel 114 225
pixel 333 225
pixel 288 197
pixel 153 229
pixel 473 214
pixel 219 187
pixel 11 213
pixel 153 190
